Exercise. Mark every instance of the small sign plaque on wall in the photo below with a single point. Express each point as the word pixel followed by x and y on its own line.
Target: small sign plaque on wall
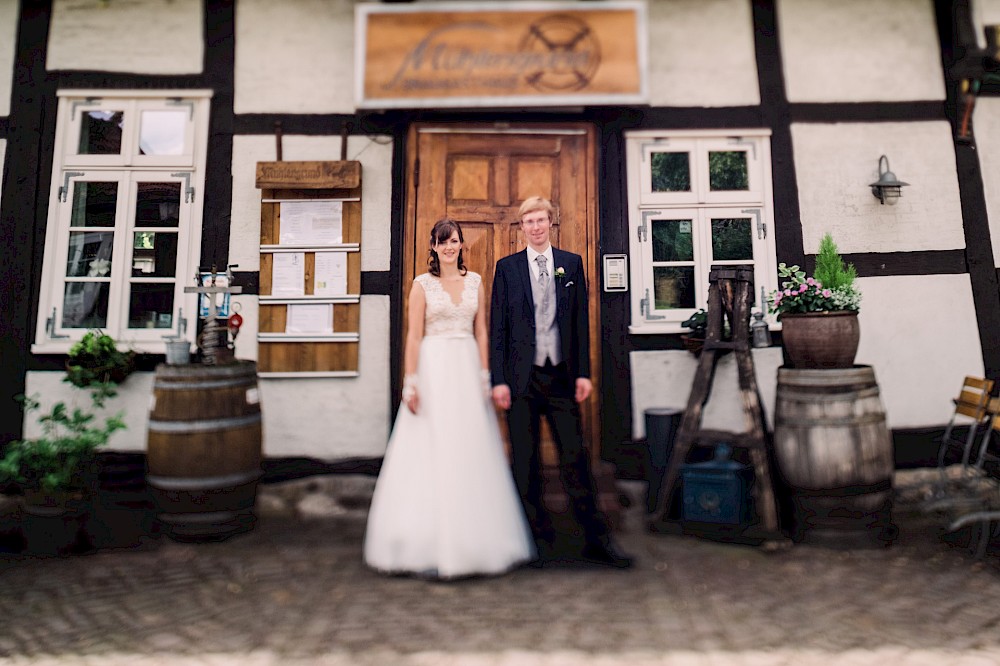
pixel 615 272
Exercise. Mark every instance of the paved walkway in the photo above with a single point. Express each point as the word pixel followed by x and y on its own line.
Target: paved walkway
pixel 294 591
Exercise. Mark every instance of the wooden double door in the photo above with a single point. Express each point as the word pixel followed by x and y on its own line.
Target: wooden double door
pixel 478 175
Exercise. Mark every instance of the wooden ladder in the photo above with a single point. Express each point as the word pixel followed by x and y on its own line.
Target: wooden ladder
pixel 730 295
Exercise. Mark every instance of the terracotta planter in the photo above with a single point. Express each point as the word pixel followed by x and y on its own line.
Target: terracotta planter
pixel 821 340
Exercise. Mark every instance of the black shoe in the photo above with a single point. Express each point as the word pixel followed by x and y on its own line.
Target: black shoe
pixel 606 555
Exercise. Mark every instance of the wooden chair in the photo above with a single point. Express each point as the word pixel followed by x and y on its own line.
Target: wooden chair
pixel 972 408
pixel 972 498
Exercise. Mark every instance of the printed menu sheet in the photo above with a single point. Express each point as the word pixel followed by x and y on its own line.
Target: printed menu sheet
pixel 331 274
pixel 288 277
pixel 311 222
pixel 309 318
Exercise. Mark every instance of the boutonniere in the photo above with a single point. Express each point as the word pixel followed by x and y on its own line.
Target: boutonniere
pixel 560 273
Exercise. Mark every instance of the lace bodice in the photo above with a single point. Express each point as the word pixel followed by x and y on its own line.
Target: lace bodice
pixel 443 316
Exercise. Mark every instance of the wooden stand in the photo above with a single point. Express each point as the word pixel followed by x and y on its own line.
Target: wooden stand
pixel 730 295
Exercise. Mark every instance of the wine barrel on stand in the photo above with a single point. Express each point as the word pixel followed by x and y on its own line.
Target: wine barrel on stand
pixel 204 448
pixel 835 455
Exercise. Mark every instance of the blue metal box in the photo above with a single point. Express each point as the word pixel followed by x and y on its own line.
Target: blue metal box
pixel 717 491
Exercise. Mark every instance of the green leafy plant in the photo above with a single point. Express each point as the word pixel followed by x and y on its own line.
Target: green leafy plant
pixel 96 359
pixel 832 287
pixel 62 458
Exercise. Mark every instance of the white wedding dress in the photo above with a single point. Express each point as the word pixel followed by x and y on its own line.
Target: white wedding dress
pixel 445 504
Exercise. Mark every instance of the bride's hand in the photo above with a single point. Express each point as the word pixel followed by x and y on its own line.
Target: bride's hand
pixel 410 397
pixel 487 385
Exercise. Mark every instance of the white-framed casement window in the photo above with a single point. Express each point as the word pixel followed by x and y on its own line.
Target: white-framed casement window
pixel 125 213
pixel 697 199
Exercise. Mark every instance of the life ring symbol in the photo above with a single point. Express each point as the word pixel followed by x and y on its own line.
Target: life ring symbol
pixel 572 52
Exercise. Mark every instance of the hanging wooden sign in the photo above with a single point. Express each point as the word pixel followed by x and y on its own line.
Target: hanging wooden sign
pixel 493 54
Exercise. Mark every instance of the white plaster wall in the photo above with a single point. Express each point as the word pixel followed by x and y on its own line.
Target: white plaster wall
pixel 339 417
pixel 295 56
pixel 986 128
pixel 323 418
pixel 663 379
pixel 920 334
pixel 984 13
pixel 902 319
pixel 860 51
pixel 142 36
pixel 375 155
pixel 132 401
pixel 701 53
pixel 836 163
pixel 8 47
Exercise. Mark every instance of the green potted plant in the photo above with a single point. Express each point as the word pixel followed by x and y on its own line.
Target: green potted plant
pixel 698 324
pixel 819 314
pixel 55 471
pixel 96 359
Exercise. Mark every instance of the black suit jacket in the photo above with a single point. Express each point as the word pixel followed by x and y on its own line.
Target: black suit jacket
pixel 512 319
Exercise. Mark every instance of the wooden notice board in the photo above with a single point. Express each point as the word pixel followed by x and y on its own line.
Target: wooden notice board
pixel 309 323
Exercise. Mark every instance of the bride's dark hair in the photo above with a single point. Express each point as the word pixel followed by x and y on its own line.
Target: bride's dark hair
pixel 441 232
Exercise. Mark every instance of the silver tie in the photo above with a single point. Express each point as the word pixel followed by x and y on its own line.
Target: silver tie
pixel 543 282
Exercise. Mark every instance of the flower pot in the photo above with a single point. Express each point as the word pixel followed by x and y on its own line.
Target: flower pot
pixel 53 523
pixel 821 340
pixel 84 374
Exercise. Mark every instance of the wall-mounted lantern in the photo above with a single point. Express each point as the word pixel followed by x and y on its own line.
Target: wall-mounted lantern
pixel 887 189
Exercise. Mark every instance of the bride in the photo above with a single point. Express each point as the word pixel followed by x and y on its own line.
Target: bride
pixel 445 505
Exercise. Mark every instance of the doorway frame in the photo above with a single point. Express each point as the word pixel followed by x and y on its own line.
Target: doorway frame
pixel 592 409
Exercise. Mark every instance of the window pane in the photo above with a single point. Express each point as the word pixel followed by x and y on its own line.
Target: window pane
pixel 89 253
pixel 157 204
pixel 672 240
pixel 162 132
pixel 673 287
pixel 732 239
pixel 101 133
pixel 727 170
pixel 154 254
pixel 94 204
pixel 151 306
pixel 85 305
pixel 671 172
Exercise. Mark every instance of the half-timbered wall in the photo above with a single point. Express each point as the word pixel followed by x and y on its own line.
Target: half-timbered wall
pixel 836 85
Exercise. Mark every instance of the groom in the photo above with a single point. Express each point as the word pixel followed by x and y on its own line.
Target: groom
pixel 540 364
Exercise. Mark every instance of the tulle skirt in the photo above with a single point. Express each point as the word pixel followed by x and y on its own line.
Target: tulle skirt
pixel 445 504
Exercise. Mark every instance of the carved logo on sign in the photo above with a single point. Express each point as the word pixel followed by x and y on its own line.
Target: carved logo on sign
pixel 574 54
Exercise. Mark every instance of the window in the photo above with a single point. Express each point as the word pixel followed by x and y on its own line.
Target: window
pixel 124 226
pixel 696 200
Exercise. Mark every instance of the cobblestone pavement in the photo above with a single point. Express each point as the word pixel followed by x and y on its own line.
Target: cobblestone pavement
pixel 294 591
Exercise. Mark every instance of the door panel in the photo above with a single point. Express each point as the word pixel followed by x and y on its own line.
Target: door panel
pixel 479 176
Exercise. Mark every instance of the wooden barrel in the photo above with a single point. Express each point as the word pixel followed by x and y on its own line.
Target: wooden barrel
pixel 835 456
pixel 204 448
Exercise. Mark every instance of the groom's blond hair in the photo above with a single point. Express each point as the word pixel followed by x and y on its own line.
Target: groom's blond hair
pixel 531 204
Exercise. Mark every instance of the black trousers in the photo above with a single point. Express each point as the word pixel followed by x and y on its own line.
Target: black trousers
pixel 551 394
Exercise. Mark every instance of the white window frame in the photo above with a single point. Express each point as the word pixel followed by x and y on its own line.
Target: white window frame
pixel 701 205
pixel 128 169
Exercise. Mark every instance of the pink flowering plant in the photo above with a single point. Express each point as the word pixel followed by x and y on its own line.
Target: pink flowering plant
pixel 830 289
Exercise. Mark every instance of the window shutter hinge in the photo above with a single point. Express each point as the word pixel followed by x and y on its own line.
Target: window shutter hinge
pixel 643 230
pixel 64 188
pixel 50 327
pixel 646 308
pixel 761 225
pixel 188 190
